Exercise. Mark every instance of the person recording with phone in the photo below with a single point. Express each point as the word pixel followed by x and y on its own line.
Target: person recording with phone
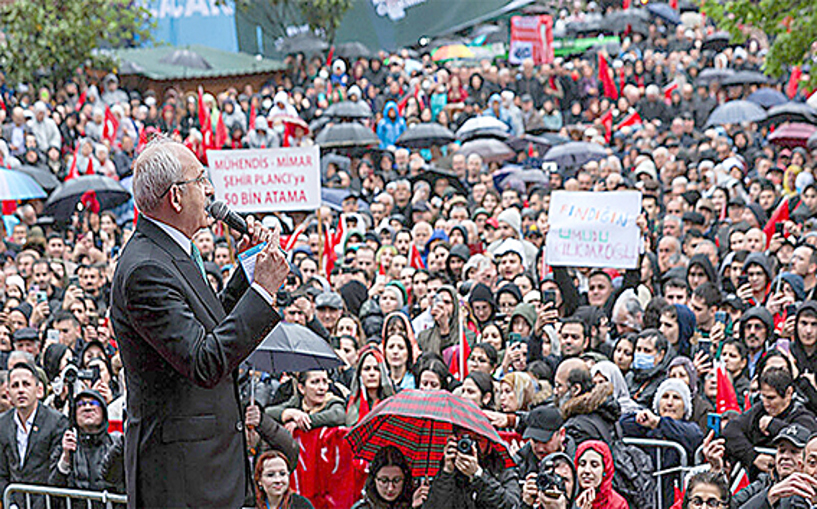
pixel 472 476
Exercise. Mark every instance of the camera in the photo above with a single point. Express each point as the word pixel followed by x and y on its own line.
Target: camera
pixel 549 482
pixel 283 298
pixel 465 445
pixel 91 374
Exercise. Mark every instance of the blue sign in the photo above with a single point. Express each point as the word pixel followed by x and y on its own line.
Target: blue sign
pixel 187 22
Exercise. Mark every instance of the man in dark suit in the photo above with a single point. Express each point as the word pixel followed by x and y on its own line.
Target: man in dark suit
pixel 30 431
pixel 181 344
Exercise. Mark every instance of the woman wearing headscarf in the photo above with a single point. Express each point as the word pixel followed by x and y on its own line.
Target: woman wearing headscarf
pixel 516 391
pixel 683 369
pixel 594 472
pixel 370 386
pixel 677 324
pixel 399 323
pixel 606 371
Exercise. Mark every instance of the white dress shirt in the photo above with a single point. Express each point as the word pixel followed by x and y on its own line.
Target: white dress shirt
pixel 23 432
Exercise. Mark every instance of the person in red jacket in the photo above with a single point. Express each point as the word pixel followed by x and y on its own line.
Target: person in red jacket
pixel 595 471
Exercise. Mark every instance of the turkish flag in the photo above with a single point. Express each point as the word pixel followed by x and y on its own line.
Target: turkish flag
pixel 415 260
pixel 221 133
pixel 73 172
pixel 607 122
pixel 111 126
pixel 726 399
pixel 631 119
pixel 606 81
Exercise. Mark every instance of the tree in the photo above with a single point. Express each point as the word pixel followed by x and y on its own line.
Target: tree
pixel 321 15
pixel 791 26
pixel 46 41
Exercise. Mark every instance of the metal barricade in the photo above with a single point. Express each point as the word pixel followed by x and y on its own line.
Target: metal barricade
pixel 68 495
pixel 660 473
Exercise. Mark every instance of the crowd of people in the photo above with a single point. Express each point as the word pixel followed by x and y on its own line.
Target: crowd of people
pixel 413 273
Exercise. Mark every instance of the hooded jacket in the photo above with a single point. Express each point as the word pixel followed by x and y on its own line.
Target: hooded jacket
pixel 606 496
pixel 644 383
pixel 762 314
pixel 804 361
pixel 686 328
pixel 481 293
pixel 702 261
pixel 761 261
pixel 389 130
pixel 89 469
pixel 592 415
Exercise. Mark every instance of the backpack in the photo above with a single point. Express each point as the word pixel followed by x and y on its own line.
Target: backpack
pixel 633 479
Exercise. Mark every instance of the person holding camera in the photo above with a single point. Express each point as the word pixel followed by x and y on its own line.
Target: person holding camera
pixel 472 477
pixel 553 486
pixel 84 447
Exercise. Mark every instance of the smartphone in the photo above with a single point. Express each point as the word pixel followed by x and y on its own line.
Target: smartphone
pixel 713 422
pixel 705 346
pixel 52 336
pixel 784 345
pixel 720 317
pixel 743 280
pixel 548 296
pixel 42 296
pixel 513 338
pixel 791 310
pixel 778 228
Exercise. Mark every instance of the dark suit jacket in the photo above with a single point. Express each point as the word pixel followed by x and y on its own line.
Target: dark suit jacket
pixel 42 451
pixel 181 346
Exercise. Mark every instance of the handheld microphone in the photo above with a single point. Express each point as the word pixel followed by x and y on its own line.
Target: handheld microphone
pixel 221 212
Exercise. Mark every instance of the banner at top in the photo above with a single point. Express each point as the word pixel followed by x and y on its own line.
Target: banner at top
pixel 267 180
pixel 531 37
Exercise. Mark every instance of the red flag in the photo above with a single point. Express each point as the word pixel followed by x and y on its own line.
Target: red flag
pixel 415 260
pixel 625 4
pixel 673 4
pixel 668 90
pixel 290 242
pixel 135 214
pixel 73 172
pixel 330 56
pixel 90 201
pixel 143 140
pixel 607 122
pixel 111 127
pixel 742 482
pixel 221 133
pixel 82 98
pixel 631 119
pixel 89 170
pixel 337 237
pixel 252 115
pixel 606 81
pixel 9 206
pixel 329 254
pixel 678 495
pixel 204 121
pixel 794 81
pixel 726 399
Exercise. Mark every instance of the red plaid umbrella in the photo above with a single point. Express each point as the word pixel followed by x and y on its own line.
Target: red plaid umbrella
pixel 419 423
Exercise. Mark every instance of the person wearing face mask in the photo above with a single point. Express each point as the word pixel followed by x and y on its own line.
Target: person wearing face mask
pixel 589 410
pixel 649 367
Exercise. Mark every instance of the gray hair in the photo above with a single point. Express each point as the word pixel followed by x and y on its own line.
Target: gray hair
pixel 155 170
pixel 18 355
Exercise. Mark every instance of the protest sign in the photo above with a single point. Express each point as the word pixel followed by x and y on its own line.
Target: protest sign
pixel 267 180
pixel 594 229
pixel 531 37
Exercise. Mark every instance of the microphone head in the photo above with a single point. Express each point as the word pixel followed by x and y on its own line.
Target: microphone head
pixel 218 210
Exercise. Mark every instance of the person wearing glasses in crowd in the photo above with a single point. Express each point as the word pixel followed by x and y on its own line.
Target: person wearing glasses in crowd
pixel 390 484
pixel 707 490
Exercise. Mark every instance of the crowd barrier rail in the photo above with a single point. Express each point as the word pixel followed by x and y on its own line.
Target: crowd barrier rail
pixel 66 495
pixel 660 473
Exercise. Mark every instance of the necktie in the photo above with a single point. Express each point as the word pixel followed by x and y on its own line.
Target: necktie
pixel 196 255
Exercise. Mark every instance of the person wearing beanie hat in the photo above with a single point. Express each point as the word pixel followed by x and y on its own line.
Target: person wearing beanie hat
pixel 760 275
pixel 523 319
pixel 510 218
pixel 511 257
pixel 668 420
pixel 457 258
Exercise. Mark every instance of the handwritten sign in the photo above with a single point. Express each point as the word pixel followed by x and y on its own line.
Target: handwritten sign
pixel 594 229
pixel 267 180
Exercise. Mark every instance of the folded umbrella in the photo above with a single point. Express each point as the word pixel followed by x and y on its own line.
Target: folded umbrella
pixel 63 201
pixel 736 112
pixel 293 348
pixel 419 424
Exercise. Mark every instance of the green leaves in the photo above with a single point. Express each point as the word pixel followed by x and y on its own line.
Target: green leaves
pixel 790 25
pixel 48 41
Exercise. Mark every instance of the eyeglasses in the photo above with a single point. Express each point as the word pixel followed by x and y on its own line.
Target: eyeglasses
pixel 397 481
pixel 711 503
pixel 88 402
pixel 202 179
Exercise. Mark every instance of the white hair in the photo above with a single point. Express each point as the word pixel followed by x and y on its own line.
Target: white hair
pixel 154 171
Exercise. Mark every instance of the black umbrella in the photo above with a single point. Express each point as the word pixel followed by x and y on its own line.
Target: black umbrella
pixel 736 112
pixel 305 43
pixel 348 109
pixel 541 143
pixel 630 20
pixel 293 348
pixel 665 12
pixel 575 154
pixel 353 50
pixel 333 198
pixel 45 178
pixel 63 201
pixel 347 134
pixel 710 74
pixel 586 27
pixel 489 149
pixel 431 175
pixel 425 135
pixel 791 112
pixel 186 58
pixel 768 97
pixel 745 78
pixel 716 42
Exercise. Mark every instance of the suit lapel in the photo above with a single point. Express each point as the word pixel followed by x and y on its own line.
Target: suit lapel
pixel 12 429
pixel 188 269
pixel 34 433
